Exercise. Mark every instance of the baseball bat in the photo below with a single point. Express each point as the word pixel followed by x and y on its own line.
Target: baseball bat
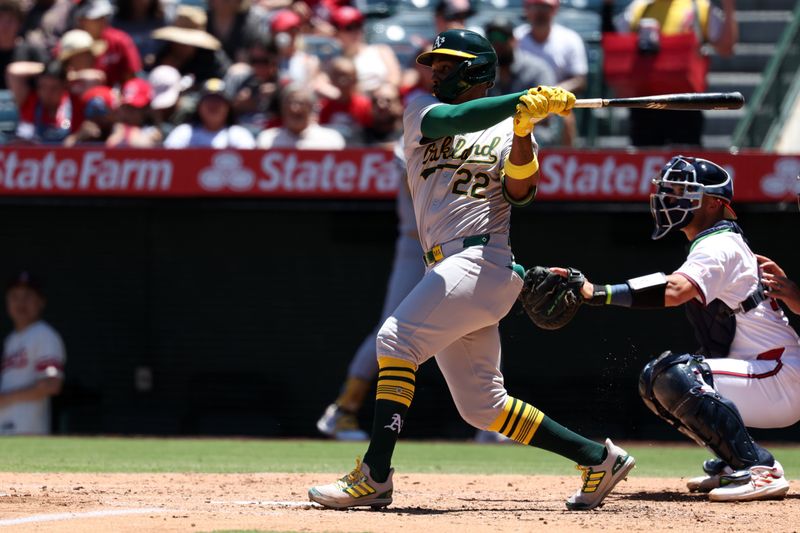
pixel 679 101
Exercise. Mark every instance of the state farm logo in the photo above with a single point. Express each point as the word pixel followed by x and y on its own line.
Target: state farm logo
pixel 226 171
pixel 91 171
pixel 593 176
pixel 300 172
pixel 783 180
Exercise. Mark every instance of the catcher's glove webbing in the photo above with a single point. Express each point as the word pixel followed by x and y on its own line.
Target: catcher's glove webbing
pixel 549 299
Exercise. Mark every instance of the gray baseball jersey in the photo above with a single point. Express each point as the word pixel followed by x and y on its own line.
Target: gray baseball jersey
pixel 454 310
pixel 455 181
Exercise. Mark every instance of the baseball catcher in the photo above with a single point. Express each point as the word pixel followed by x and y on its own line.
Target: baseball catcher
pixel 744 372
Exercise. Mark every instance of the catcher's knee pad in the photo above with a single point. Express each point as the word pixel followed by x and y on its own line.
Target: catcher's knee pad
pixel 679 388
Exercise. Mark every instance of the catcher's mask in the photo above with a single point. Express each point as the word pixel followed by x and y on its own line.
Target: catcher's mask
pixel 478 65
pixel 680 189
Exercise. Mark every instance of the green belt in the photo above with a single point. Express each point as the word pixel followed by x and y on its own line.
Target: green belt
pixel 435 254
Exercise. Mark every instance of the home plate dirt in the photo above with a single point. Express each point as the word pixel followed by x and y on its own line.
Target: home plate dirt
pixel 422 502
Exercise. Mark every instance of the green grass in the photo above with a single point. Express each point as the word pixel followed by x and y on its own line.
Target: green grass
pixel 107 454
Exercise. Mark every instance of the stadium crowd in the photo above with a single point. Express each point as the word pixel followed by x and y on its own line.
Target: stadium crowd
pixel 251 73
pixel 230 73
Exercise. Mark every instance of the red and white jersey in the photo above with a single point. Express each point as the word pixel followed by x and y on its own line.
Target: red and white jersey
pixel 721 266
pixel 29 355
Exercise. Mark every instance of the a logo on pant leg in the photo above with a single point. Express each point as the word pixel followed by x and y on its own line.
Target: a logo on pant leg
pixel 397 423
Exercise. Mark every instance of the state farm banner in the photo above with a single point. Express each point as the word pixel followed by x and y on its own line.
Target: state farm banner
pixel 570 175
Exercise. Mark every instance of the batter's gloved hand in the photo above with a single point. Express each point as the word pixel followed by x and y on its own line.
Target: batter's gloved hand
pixel 559 101
pixel 551 300
pixel 530 110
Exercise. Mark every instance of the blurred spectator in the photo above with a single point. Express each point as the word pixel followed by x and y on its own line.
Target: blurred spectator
pixel 351 111
pixel 375 64
pixel 80 81
pixel 131 129
pixel 515 71
pixel 46 21
pixel 138 18
pixel 418 79
pixel 190 48
pixel 711 24
pixel 518 71
pixel 295 65
pixel 559 46
pixel 300 129
pixel 452 14
pixel 32 368
pixel 120 60
pixel 167 85
pixel 98 117
pixel 253 84
pixel 387 117
pixel 46 110
pixel 315 14
pixel 12 46
pixel 78 50
pixel 235 24
pixel 214 123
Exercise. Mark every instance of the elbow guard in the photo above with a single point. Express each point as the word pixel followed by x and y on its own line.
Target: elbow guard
pixel 644 292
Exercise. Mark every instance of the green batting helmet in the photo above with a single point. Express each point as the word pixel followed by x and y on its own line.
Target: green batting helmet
pixel 478 64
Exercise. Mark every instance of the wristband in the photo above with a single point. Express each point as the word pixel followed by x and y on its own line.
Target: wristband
pixel 619 294
pixel 645 292
pixel 521 172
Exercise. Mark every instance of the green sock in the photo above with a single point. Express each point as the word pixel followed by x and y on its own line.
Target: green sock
pixel 554 437
pixel 393 395
pixel 526 424
pixel 386 426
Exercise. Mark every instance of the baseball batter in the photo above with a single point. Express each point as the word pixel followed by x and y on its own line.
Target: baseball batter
pixel 747 371
pixel 468 162
pixel 32 364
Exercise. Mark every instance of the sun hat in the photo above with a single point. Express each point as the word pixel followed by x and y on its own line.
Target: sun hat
pixel 189 28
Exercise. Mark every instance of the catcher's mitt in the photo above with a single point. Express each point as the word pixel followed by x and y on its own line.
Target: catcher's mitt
pixel 549 299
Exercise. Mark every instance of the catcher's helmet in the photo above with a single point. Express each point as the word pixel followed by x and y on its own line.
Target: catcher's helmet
pixel 680 189
pixel 478 65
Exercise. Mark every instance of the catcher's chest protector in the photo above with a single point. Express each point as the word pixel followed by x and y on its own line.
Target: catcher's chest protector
pixel 714 326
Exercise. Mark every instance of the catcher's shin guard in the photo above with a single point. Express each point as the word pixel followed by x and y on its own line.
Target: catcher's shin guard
pixel 679 389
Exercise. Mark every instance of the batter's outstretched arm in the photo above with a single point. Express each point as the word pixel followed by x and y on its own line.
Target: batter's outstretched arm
pixel 475 115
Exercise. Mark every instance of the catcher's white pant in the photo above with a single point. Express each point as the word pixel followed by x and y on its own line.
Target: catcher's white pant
pixel 766 391
pixel 407 270
pixel 453 314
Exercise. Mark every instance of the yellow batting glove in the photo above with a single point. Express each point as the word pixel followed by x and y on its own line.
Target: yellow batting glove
pixel 559 101
pixel 536 104
pixel 523 121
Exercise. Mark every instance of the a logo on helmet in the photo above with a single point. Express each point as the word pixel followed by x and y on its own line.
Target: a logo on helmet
pixel 680 188
pixel 438 42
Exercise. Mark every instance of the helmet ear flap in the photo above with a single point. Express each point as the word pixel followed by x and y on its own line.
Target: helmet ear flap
pixel 479 69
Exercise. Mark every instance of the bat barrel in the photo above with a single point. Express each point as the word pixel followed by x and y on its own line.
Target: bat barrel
pixel 682 101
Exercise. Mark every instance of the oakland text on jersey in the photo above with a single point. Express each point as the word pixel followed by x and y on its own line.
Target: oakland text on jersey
pixel 445 149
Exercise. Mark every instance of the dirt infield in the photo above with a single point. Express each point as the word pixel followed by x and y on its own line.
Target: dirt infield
pixel 423 502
